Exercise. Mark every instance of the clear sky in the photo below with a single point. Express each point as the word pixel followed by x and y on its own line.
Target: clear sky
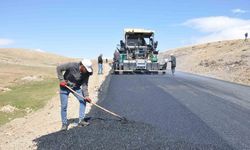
pixel 86 28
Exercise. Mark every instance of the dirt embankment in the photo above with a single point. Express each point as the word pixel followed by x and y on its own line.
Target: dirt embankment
pixel 18 66
pixel 25 74
pixel 20 133
pixel 226 60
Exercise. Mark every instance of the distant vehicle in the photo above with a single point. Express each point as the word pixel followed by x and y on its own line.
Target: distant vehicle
pixel 138 54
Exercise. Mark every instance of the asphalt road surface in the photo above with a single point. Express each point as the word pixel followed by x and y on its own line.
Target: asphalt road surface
pixel 164 112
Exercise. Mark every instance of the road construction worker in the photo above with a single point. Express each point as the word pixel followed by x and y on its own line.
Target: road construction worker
pixel 246 35
pixel 100 62
pixel 116 55
pixel 141 41
pixel 151 41
pixel 173 63
pixel 165 65
pixel 75 76
pixel 116 59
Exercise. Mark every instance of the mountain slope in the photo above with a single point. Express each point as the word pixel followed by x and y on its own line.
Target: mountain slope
pixel 226 60
pixel 29 57
pixel 19 64
pixel 27 81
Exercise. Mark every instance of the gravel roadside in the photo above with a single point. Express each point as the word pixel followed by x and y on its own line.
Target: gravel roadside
pixel 20 133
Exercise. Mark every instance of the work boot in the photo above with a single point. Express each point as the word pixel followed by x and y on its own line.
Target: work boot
pixel 83 123
pixel 64 127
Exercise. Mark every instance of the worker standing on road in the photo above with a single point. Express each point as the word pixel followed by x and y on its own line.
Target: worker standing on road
pixel 100 62
pixel 116 55
pixel 173 63
pixel 246 35
pixel 165 66
pixel 116 59
pixel 76 76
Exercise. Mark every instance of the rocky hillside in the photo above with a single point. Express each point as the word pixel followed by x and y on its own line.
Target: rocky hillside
pixel 226 60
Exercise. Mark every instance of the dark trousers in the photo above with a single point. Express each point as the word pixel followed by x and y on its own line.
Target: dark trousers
pixel 173 69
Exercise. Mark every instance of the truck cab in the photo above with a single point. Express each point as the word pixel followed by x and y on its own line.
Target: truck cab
pixel 137 52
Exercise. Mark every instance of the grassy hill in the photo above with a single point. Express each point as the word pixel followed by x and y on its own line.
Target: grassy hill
pixel 27 81
pixel 16 64
pixel 29 57
pixel 226 60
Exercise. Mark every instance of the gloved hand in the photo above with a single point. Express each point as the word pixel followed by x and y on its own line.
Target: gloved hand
pixel 87 99
pixel 63 83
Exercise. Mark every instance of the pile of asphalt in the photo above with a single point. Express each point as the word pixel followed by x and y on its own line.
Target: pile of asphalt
pixel 105 132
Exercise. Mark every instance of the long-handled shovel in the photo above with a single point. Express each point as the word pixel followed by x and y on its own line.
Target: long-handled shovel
pixel 104 109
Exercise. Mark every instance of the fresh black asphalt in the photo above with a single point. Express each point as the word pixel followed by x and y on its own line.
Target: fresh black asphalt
pixel 164 112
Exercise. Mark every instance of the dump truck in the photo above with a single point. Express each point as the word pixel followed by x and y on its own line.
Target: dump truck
pixel 137 53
